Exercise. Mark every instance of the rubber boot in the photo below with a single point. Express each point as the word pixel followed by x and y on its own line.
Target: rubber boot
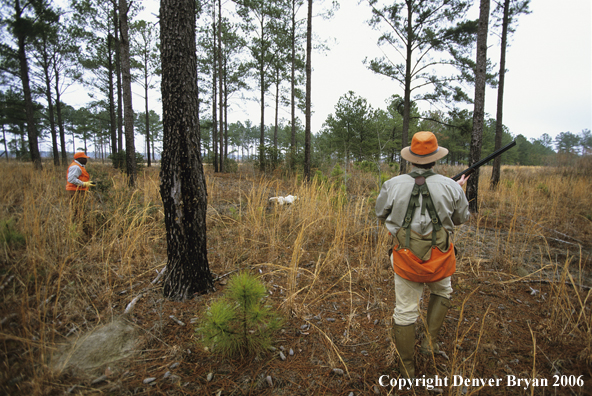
pixel 405 343
pixel 437 309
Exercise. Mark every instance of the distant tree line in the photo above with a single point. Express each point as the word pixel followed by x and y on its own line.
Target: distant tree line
pixel 358 132
pixel 248 50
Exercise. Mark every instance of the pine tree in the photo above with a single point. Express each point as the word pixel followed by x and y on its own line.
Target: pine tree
pixel 417 31
pixel 509 11
pixel 479 112
pixel 239 323
pixel 128 114
pixel 26 21
pixel 183 187
pixel 308 102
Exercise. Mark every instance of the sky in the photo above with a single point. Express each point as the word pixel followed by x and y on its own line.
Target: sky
pixel 548 85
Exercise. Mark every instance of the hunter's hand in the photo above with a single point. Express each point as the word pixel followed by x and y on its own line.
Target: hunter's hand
pixel 463 180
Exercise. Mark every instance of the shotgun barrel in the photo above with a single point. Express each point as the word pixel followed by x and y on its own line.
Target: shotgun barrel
pixel 485 160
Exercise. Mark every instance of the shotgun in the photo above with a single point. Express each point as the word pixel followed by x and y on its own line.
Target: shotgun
pixel 485 160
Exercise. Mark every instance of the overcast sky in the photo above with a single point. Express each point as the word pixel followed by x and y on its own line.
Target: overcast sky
pixel 548 84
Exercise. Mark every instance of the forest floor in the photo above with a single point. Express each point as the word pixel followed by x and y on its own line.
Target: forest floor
pixel 520 322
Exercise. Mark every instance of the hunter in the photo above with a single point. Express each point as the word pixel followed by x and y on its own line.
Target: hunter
pixel 78 182
pixel 420 209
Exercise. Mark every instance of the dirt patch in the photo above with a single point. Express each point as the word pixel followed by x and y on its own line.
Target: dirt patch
pixel 103 345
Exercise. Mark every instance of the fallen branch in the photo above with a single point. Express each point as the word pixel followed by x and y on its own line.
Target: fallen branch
pixel 544 281
pixel 160 274
pixel 46 301
pixel 7 318
pixel 549 282
pixel 132 303
pixel 177 320
pixel 225 275
pixel 547 237
pixel 6 282
pixel 552 230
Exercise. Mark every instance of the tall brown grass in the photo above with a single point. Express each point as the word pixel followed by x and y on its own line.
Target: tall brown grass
pixel 325 247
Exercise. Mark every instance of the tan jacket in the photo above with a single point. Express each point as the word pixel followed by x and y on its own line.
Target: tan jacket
pixel 448 197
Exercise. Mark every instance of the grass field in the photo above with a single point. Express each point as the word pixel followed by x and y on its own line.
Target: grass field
pixel 521 305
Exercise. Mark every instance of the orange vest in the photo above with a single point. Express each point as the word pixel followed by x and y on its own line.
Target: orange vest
pixel 84 177
pixel 406 264
pixel 440 265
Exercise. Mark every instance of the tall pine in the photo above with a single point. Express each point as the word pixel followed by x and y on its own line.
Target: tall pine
pixel 479 110
pixel 418 32
pixel 183 187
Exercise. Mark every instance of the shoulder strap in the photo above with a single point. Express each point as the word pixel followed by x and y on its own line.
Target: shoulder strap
pixel 421 187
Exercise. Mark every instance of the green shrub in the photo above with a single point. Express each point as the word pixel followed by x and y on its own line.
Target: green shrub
pixel 10 236
pixel 542 187
pixel 101 177
pixel 337 171
pixel 230 165
pixel 238 323
pixel 320 177
pixel 394 167
pixel 367 166
pixel 383 178
pixel 119 160
pixel 272 158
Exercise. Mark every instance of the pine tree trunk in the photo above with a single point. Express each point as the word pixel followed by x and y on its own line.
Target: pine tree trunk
pixel 220 78
pixel 29 109
pixel 119 82
pixel 277 109
pixel 293 88
pixel 147 114
pixel 407 93
pixel 225 108
pixel 112 116
pixel 307 128
pixel 262 100
pixel 215 93
pixel 499 126
pixel 183 187
pixel 393 139
pixel 130 149
pixel 479 111
pixel 59 116
pixel 50 109
pixel 5 146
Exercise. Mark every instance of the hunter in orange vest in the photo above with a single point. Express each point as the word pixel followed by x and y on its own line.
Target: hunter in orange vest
pixel 420 209
pixel 78 179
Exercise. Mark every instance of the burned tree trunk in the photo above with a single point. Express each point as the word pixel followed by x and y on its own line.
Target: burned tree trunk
pixel 499 126
pixel 130 149
pixel 479 112
pixel 183 187
pixel 307 127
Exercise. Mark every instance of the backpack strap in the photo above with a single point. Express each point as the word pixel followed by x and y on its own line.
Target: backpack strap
pixel 421 188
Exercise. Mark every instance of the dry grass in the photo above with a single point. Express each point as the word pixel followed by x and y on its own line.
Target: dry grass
pixel 326 253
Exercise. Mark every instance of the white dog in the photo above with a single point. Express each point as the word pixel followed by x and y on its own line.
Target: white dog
pixel 287 200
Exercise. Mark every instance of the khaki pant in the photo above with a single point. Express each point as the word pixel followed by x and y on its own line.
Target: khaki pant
pixel 408 294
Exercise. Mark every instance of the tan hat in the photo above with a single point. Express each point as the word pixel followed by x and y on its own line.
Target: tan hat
pixel 424 149
pixel 80 154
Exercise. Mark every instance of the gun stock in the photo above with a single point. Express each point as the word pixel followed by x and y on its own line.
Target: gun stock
pixel 485 160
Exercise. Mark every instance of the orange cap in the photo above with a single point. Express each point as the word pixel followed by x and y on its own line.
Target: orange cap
pixel 80 154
